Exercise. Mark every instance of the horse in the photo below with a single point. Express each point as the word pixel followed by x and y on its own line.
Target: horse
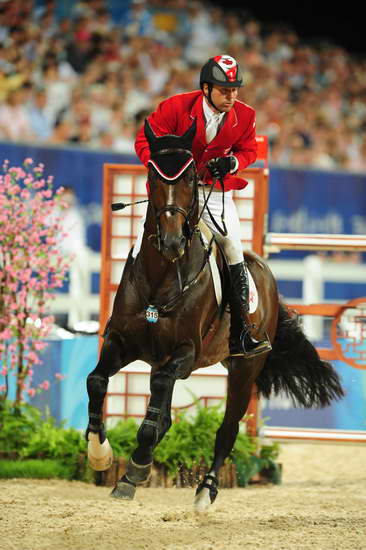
pixel 166 313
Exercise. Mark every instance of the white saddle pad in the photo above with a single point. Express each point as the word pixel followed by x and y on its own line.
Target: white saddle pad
pixel 253 293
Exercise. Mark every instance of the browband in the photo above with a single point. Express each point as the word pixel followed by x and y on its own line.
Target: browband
pixel 175 176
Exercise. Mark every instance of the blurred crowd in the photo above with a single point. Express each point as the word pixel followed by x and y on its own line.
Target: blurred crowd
pixel 89 76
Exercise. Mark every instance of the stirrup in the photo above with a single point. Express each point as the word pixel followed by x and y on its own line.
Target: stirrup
pixel 248 347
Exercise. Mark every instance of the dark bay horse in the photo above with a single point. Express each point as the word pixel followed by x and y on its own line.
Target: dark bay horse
pixel 165 313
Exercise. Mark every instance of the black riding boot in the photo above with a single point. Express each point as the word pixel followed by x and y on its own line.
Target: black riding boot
pixel 241 341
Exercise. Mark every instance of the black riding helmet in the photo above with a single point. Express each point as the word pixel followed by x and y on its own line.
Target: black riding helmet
pixel 222 70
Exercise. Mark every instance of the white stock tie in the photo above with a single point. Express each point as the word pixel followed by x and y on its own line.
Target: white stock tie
pixel 211 127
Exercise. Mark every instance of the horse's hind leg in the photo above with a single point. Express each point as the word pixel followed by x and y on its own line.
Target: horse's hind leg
pixel 241 377
pixel 110 362
pixel 157 420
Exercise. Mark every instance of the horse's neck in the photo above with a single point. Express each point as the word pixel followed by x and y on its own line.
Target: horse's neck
pixel 160 276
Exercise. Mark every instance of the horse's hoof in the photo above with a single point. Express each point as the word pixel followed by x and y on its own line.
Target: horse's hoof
pixel 206 493
pixel 100 456
pixel 124 490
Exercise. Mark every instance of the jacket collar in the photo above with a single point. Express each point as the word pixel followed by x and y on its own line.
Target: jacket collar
pixel 209 113
pixel 230 121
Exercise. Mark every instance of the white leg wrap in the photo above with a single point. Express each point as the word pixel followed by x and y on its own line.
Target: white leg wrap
pixel 202 501
pixel 100 456
pixel 203 498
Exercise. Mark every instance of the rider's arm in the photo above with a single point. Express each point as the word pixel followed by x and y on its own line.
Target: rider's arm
pixel 245 148
pixel 162 121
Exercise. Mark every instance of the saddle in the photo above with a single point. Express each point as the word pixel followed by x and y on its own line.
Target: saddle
pixel 218 265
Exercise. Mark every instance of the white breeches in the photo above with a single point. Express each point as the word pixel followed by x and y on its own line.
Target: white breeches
pixel 231 243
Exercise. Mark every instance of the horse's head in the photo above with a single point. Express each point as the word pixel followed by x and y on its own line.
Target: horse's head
pixel 173 189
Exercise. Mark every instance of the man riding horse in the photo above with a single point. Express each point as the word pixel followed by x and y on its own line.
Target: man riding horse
pixel 224 144
pixel 165 310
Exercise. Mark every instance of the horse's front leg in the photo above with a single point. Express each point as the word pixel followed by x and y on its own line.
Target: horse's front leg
pixel 157 420
pixel 112 359
pixel 241 377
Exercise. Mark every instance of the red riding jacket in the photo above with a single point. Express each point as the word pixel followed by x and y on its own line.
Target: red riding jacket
pixel 236 136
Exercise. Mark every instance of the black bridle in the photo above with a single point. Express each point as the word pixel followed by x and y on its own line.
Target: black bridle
pixel 174 208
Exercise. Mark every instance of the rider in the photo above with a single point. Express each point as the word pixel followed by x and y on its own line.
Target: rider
pixel 224 143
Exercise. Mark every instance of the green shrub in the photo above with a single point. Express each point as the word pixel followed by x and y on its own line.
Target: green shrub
pixel 36 469
pixel 51 441
pixel 17 424
pixel 251 459
pixel 189 442
pixel 24 433
pixel 122 437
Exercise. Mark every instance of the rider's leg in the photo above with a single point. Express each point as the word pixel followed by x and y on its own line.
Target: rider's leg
pixel 241 341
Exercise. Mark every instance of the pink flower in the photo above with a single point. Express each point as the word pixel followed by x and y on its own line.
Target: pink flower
pixel 27 161
pixel 25 194
pixel 33 358
pixel 31 392
pixel 19 239
pixel 44 385
pixel 13 189
pixel 38 184
pixel 59 376
pixel 39 346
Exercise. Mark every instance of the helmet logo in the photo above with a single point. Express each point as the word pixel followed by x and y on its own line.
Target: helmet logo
pixel 228 65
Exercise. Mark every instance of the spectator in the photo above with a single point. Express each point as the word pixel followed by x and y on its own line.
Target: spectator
pixel 58 90
pixel 40 123
pixel 153 50
pixel 201 41
pixel 138 20
pixel 62 133
pixel 14 119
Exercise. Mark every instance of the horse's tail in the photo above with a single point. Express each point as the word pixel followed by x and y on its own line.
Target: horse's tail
pixel 295 368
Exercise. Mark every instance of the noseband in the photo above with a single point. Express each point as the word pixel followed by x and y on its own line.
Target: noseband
pixel 172 180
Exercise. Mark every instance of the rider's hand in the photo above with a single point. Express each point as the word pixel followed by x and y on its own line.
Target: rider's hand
pixel 221 166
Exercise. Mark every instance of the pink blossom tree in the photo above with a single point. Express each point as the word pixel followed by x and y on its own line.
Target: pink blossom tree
pixel 31 268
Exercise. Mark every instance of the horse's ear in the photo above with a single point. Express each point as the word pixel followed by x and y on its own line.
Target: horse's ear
pixel 149 134
pixel 189 135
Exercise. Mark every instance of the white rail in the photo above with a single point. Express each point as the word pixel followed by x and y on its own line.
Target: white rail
pixel 313 272
pixel 313 435
pixel 79 304
pixel 275 242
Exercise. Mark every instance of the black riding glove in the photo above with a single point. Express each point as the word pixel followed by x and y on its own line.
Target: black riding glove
pixel 221 166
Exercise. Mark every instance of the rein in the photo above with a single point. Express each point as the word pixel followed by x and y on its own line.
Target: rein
pixel 223 230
